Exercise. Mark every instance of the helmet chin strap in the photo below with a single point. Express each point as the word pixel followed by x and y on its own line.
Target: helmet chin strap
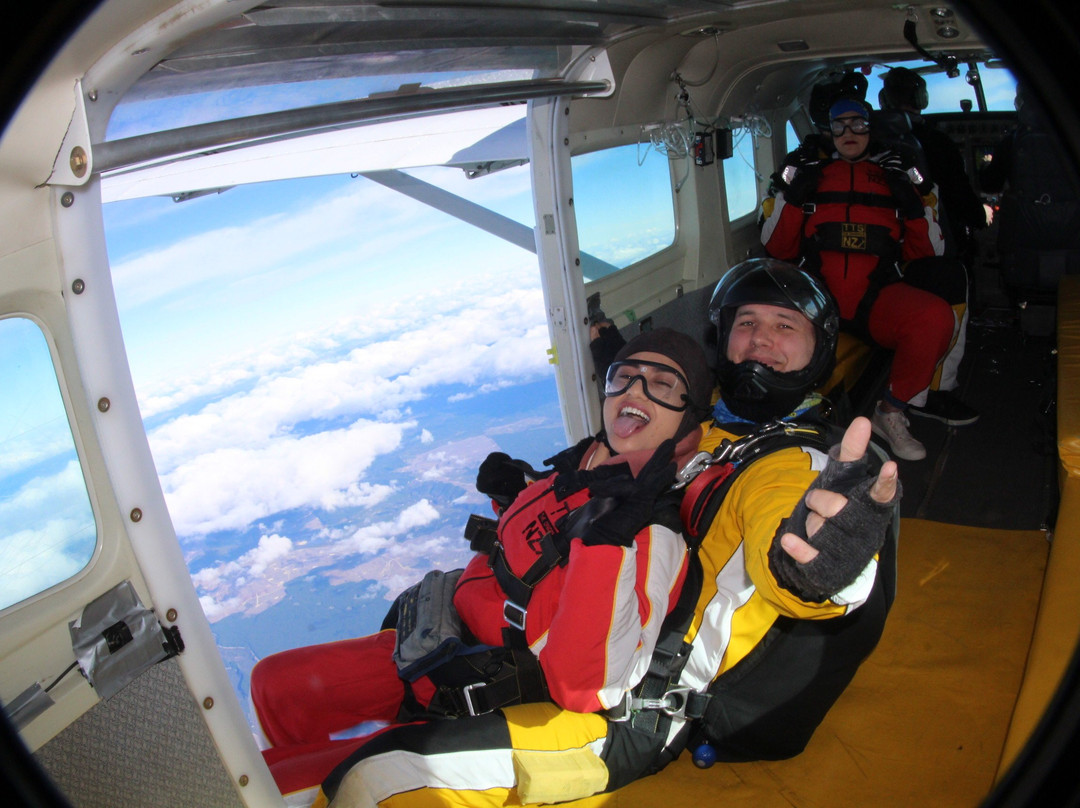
pixel 602 437
pixel 754 398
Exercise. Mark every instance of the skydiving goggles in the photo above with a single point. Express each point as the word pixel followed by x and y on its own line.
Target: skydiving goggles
pixel 661 384
pixel 858 126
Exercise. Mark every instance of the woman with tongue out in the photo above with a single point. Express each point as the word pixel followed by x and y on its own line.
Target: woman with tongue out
pixel 604 531
pixel 593 620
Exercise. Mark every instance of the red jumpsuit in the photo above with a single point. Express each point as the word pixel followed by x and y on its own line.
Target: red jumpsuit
pixel 853 225
pixel 592 623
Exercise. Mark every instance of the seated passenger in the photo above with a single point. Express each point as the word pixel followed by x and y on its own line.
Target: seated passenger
pixel 774 555
pixel 855 217
pixel 588 561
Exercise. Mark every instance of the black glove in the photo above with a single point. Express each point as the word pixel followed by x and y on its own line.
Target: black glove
pixel 908 199
pixel 605 348
pixel 797 182
pixel 622 505
pixel 799 174
pixel 891 160
pixel 502 478
pixel 845 543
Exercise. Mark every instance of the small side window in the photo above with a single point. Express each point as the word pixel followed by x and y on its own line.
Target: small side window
pixel 740 181
pixel 624 207
pixel 47 528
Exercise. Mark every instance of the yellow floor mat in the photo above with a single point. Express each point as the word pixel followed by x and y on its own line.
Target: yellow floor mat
pixel 924 721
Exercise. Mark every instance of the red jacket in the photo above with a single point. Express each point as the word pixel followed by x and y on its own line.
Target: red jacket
pixel 592 623
pixel 848 194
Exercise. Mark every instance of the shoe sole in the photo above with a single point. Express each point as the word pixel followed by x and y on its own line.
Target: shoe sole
pixel 884 437
pixel 943 418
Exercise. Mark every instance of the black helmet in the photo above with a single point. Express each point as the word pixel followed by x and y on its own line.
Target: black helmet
pixel 751 389
pixel 901 87
pixel 824 94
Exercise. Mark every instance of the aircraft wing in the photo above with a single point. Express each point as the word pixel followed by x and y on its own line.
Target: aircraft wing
pixel 471 139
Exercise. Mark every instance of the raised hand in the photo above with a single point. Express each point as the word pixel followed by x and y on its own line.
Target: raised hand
pixel 840 524
pixel 823 503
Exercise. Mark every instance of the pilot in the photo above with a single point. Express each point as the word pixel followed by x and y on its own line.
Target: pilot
pixel 774 555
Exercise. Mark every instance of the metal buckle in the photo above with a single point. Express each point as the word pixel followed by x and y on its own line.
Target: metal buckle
pixel 672 703
pixel 514 614
pixel 466 692
pixel 694 466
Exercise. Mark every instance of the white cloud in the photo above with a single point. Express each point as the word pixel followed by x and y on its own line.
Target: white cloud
pixel 232 487
pixel 426 436
pixel 33 560
pixel 214 609
pixel 254 563
pixel 270 549
pixel 64 491
pixel 245 457
pixel 379 536
pixel 245 256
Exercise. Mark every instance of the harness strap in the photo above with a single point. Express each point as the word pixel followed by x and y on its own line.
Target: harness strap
pixel 697 496
pixel 864 238
pixel 866 198
pixel 875 239
pixel 882 275
pixel 513 676
pixel 520 589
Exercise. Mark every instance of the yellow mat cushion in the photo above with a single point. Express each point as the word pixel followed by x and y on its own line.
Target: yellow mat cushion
pixel 924 721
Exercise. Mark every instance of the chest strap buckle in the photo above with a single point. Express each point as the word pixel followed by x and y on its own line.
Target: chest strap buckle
pixel 514 615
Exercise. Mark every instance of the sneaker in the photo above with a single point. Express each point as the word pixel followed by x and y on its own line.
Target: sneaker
pixel 893 427
pixel 942 405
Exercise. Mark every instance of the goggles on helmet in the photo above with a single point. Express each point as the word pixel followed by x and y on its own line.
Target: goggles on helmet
pixel 661 384
pixel 858 126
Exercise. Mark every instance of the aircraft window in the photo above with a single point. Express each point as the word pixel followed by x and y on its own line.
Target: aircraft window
pixel 947 94
pixel 321 365
pixel 740 178
pixel 792 138
pixel 624 206
pixel 150 105
pixel 47 527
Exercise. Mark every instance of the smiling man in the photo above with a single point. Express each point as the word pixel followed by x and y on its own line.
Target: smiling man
pixel 792 593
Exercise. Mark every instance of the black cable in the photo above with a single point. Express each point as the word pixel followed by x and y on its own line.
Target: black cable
pixel 67 670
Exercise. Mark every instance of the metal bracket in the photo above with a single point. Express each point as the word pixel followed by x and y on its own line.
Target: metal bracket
pixel 74 161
